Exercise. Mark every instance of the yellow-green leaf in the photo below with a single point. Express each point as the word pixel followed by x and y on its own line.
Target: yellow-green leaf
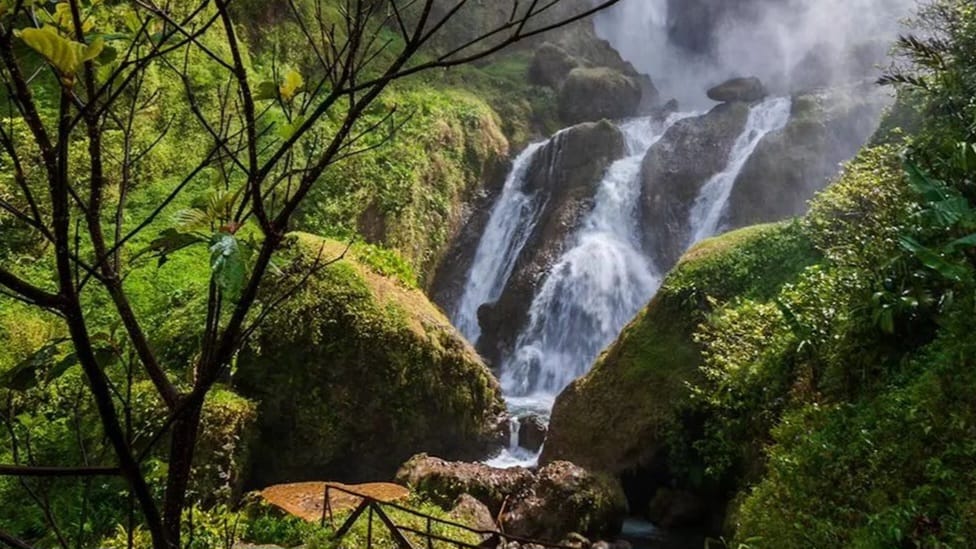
pixel 66 55
pixel 292 83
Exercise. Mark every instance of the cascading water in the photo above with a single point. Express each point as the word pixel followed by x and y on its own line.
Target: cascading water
pixel 706 214
pixel 591 293
pixel 604 278
pixel 595 288
pixel 508 228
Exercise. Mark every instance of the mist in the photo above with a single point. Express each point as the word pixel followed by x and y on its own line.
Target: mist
pixel 687 46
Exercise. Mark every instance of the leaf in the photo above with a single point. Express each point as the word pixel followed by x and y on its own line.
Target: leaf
pixel 266 90
pixel 285 131
pixel 227 264
pixel 49 360
pixel 67 56
pixel 934 260
pixel 290 86
pixel 172 240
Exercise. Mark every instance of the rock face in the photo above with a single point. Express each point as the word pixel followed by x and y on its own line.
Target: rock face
pixel 591 94
pixel 745 90
pixel 559 499
pixel 675 169
pixel 532 433
pixel 356 373
pixel 791 165
pixel 617 418
pixel 551 65
pixel 565 499
pixel 567 172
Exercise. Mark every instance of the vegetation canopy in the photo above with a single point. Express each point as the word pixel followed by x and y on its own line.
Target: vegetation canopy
pixel 144 132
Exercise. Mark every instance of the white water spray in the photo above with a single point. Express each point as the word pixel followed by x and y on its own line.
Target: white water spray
pixel 706 214
pixel 509 227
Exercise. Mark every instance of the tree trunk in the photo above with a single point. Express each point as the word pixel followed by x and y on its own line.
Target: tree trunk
pixel 182 444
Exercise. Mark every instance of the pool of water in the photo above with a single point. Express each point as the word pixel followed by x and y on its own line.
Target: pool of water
pixel 644 535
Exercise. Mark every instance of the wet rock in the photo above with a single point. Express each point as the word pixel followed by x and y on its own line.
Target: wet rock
pixel 551 65
pixel 601 545
pixel 532 432
pixel 791 165
pixel 546 505
pixel 566 498
pixel 676 509
pixel 674 171
pixel 575 541
pixel 745 90
pixel 564 176
pixel 591 94
pixel 445 481
pixel 470 511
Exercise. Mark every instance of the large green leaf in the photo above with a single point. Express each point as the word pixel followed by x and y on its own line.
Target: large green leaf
pixel 48 363
pixel 227 264
pixel 66 55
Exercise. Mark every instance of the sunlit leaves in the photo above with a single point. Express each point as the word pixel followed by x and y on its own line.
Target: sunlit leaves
pixel 292 83
pixel 67 56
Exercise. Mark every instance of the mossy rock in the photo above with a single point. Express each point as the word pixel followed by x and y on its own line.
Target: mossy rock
pixel 617 417
pixel 591 94
pixel 356 373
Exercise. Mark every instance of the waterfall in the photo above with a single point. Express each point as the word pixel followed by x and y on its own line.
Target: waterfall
pixel 604 277
pixel 510 224
pixel 768 116
pixel 594 289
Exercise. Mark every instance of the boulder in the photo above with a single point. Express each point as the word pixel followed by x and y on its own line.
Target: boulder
pixel 548 505
pixel 591 94
pixel 744 90
pixel 357 372
pixel 566 498
pixel 565 174
pixel 674 171
pixel 672 509
pixel 551 65
pixel 532 432
pixel 470 511
pixel 790 166
pixel 446 481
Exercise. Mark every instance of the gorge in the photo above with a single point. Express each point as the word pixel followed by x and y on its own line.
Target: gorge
pixel 670 274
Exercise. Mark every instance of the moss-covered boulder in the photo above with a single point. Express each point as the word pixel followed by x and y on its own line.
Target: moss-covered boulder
pixel 551 65
pixel 356 373
pixel 789 166
pixel 674 171
pixel 590 94
pixel 618 417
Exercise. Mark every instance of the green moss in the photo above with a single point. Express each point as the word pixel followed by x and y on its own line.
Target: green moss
pixel 356 373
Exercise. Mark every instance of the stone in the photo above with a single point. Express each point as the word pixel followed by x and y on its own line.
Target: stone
pixel 745 90
pixel 790 166
pixel 566 498
pixel 444 481
pixel 547 505
pixel 591 94
pixel 532 432
pixel 576 541
pixel 600 545
pixel 674 171
pixel 321 370
pixel 470 511
pixel 551 65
